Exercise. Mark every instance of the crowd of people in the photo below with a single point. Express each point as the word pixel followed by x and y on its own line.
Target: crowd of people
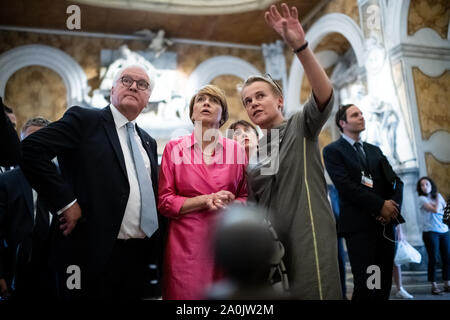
pixel 85 193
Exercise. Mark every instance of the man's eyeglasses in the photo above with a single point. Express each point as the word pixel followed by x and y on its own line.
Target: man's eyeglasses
pixel 140 84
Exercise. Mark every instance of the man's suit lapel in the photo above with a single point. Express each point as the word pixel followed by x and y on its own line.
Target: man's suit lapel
pixel 369 156
pixel 111 132
pixel 27 191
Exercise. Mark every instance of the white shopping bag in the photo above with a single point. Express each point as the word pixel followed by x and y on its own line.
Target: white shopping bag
pixel 406 253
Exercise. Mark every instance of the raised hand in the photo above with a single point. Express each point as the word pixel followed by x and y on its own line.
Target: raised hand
pixel 286 25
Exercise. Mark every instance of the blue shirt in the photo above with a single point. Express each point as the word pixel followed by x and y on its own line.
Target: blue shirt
pixel 432 221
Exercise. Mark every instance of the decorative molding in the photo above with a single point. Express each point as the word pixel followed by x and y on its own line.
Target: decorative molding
pixel 409 206
pixel 338 23
pixel 346 70
pixel 216 44
pixel 216 66
pixel 64 65
pixel 428 38
pixel 329 23
pixel 432 68
pixel 425 50
pixel 191 7
pixel 128 37
pixel 431 61
pixel 438 145
pixel 396 26
pixel 275 62
pixel 414 114
pixel 419 51
pixel 327 58
pixel 396 21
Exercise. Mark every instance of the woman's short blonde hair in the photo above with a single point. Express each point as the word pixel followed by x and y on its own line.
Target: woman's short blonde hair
pixel 276 89
pixel 212 91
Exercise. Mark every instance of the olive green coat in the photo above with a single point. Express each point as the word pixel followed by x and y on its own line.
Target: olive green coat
pixel 296 196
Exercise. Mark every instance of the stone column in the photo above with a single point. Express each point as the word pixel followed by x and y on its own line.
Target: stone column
pixel 420 55
pixel 276 62
pixel 386 107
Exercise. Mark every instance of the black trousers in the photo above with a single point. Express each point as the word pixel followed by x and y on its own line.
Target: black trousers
pixel 371 248
pixel 126 274
pixel 34 279
pixel 437 243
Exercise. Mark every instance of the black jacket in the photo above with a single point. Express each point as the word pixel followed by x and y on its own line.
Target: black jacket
pixel 16 224
pixel 93 172
pixel 9 141
pixel 360 205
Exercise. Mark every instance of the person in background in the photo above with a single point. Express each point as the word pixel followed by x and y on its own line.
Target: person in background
pixel 370 197
pixel 24 228
pixel 200 174
pixel 334 200
pixel 435 233
pixel 11 116
pixel 246 135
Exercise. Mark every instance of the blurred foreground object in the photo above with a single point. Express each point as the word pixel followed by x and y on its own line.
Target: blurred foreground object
pixel 249 251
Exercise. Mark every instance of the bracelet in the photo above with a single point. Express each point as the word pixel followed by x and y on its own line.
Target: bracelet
pixel 303 47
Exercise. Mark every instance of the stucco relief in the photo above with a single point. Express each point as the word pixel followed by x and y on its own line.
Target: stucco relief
pixel 190 56
pixel 347 7
pixel 432 14
pixel 432 95
pixel 36 91
pixel 440 173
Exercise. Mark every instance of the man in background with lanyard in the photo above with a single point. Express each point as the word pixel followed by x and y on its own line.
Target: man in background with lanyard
pixel 370 195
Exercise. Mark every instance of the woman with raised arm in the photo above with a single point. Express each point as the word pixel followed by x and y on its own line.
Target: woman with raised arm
pixel 289 177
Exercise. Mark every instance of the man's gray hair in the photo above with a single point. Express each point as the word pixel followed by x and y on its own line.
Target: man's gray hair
pixel 151 73
pixel 37 122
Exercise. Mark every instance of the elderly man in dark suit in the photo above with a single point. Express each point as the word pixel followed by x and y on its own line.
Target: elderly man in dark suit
pixel 370 196
pixel 24 227
pixel 105 195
